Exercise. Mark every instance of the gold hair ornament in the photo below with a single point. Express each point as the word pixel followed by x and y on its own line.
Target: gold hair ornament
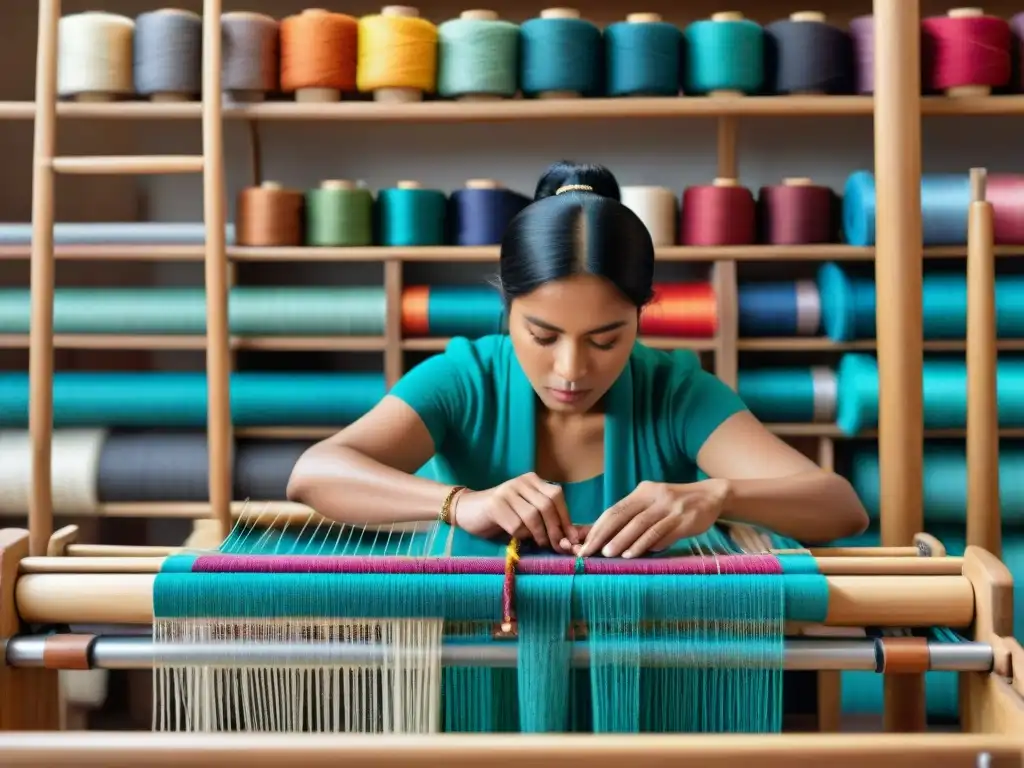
pixel 574 187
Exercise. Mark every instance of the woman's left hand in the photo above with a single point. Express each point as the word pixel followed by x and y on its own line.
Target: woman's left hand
pixel 655 516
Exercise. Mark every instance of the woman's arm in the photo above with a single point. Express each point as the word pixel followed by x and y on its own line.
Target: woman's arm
pixel 775 486
pixel 363 474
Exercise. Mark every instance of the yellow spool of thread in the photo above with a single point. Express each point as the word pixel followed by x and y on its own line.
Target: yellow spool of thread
pixel 397 55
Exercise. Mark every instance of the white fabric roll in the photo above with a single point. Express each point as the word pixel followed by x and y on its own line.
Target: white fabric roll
pixel 75 459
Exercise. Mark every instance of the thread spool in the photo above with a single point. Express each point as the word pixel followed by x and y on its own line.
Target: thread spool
pixel 779 309
pixel 452 310
pixel 167 61
pixel 482 210
pixel 1005 192
pixel 269 216
pixel 723 213
pixel 1017 51
pixel 966 53
pixel 862 35
pixel 798 212
pixel 318 55
pixel 807 56
pixel 339 214
pixel 725 55
pixel 477 57
pixel 560 55
pixel 412 216
pixel 94 56
pixel 249 52
pixel 681 310
pixel 656 208
pixel 397 55
pixel 642 56
pixel 800 395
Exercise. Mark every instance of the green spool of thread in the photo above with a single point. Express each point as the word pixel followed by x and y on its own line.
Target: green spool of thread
pixel 477 57
pixel 339 214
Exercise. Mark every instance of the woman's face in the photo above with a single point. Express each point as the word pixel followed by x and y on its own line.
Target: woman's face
pixel 573 338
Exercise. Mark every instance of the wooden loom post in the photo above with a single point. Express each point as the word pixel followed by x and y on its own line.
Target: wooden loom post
pixel 983 510
pixel 724 271
pixel 898 279
pixel 218 348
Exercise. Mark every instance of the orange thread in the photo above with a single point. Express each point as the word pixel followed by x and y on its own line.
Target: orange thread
pixel 318 50
pixel 416 310
pixel 269 216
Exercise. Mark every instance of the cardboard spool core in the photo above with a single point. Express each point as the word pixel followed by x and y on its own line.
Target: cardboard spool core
pixel 482 184
pixel 272 186
pixel 479 15
pixel 725 182
pixel 337 184
pixel 643 18
pixel 409 185
pixel 560 13
pixel 727 16
pixel 965 13
pixel 808 16
pixel 797 181
pixel 400 10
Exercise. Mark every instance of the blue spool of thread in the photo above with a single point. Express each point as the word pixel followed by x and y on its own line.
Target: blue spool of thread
pixel 411 216
pixel 789 394
pixel 481 212
pixel 643 56
pixel 724 53
pixel 779 309
pixel 945 199
pixel 560 55
pixel 477 55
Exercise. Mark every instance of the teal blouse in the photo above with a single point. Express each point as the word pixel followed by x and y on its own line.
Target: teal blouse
pixel 479 408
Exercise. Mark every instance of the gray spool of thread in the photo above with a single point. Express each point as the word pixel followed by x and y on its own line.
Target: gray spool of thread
pixel 263 467
pixel 168 55
pixel 249 50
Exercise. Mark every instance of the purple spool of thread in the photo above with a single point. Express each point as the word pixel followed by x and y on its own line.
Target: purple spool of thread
pixel 1017 30
pixel 862 30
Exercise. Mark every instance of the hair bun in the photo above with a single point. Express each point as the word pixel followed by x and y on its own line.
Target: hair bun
pixel 598 179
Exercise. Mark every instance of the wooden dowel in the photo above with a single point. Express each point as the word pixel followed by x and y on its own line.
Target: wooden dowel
pixel 854 601
pixel 983 510
pixel 142 164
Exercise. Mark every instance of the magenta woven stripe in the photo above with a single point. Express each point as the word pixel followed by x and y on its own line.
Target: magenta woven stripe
pixel 527 566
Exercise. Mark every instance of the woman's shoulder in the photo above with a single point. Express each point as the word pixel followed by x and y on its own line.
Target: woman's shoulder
pixel 665 367
pixel 483 354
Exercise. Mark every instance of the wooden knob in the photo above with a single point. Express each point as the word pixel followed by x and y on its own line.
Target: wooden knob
pixel 815 16
pixel 559 13
pixel 727 16
pixel 479 15
pixel 724 182
pixel 409 185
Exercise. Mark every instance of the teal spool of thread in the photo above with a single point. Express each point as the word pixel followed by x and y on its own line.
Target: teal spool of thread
pixel 560 55
pixel 477 56
pixel 339 214
pixel 412 216
pixel 789 394
pixel 642 56
pixel 724 54
pixel 464 310
pixel 252 311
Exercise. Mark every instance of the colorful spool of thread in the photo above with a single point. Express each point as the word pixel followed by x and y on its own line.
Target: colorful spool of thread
pixel 965 53
pixel 452 310
pixel 397 55
pixel 800 395
pixel 482 210
pixel 412 216
pixel 167 62
pixel 249 52
pixel 721 214
pixel 862 35
pixel 1006 194
pixel 560 55
pixel 94 56
pixel 684 310
pixel 642 56
pixel 339 213
pixel 656 208
pixel 477 57
pixel 725 56
pixel 269 216
pixel 797 212
pixel 807 55
pixel 115 233
pixel 779 309
pixel 318 55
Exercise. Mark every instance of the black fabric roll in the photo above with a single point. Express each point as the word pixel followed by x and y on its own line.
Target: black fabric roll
pixel 808 56
pixel 262 467
pixel 158 466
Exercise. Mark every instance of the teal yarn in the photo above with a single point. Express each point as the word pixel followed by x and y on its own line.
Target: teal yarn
pixel 410 216
pixel 788 394
pixel 477 57
pixel 642 58
pixel 560 55
pixel 472 311
pixel 724 56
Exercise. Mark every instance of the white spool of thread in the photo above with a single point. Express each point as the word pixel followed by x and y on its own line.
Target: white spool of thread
pixel 656 207
pixel 94 56
pixel 75 462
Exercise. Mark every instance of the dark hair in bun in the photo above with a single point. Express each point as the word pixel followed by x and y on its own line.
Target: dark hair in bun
pixel 577 225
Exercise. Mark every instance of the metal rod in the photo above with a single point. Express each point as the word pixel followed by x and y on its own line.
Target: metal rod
pixel 140 652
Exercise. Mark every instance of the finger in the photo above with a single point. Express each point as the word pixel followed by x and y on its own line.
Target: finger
pixel 506 518
pixel 662 534
pixel 554 492
pixel 531 518
pixel 582 531
pixel 548 511
pixel 611 522
pixel 624 540
pixel 688 526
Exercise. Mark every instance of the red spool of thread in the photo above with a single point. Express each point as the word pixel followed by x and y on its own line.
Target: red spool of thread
pixel 721 214
pixel 688 310
pixel 965 52
pixel 1006 193
pixel 796 212
pixel 416 310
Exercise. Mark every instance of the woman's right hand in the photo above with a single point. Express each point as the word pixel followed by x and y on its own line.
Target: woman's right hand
pixel 523 507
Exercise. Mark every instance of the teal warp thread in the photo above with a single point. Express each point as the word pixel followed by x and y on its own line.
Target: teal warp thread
pixel 560 55
pixel 412 217
pixel 724 56
pixel 477 57
pixel 642 58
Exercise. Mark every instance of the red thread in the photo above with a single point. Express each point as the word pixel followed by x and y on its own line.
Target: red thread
pixel 689 310
pixel 796 213
pixel 723 214
pixel 1006 193
pixel 963 51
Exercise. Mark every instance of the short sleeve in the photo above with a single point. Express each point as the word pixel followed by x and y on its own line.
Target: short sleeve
pixel 701 402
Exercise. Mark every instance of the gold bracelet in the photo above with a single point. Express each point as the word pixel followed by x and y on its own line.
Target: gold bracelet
pixel 445 515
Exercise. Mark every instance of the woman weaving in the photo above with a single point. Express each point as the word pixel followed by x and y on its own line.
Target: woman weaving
pixel 567 433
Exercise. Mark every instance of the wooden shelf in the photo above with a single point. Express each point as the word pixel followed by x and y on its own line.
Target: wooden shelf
pixel 198 342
